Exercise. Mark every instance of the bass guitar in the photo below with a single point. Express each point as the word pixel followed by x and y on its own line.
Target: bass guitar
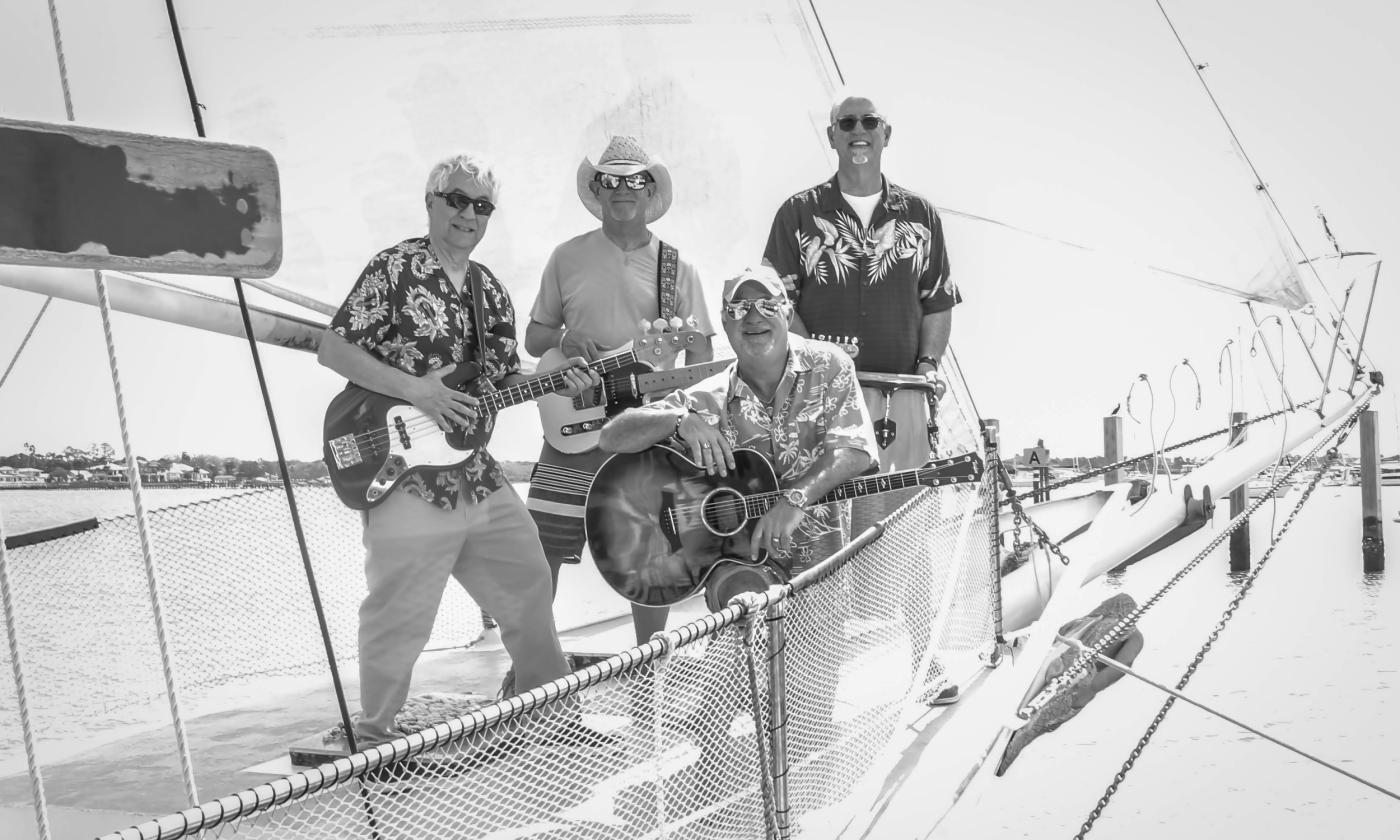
pixel 374 441
pixel 572 425
pixel 658 524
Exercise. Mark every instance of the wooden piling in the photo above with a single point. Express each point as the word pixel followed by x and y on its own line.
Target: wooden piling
pixel 1113 446
pixel 1239 500
pixel 1372 540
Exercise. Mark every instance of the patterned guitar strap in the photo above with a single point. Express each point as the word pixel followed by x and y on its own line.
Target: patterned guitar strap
pixel 666 263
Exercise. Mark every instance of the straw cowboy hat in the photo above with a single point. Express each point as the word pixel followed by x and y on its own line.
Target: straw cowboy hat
pixel 625 156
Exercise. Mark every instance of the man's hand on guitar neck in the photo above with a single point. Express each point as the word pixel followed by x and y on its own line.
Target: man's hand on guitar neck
pixel 578 377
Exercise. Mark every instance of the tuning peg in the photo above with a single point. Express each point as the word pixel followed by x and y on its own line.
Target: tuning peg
pixel 644 325
pixel 676 323
pixel 659 324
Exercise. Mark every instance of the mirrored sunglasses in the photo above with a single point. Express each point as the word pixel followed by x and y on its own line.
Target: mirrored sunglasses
pixel 767 307
pixel 461 201
pixel 869 122
pixel 636 183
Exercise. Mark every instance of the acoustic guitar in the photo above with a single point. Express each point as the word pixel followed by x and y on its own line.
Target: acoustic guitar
pixel 658 524
pixel 374 441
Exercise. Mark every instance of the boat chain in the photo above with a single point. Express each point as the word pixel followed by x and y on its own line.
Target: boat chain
pixel 1130 620
pixel 1104 470
pixel 1340 436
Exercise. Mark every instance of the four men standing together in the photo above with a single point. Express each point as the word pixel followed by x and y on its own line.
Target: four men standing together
pixel 856 258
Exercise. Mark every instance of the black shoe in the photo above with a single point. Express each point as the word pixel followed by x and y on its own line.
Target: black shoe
pixel 946 697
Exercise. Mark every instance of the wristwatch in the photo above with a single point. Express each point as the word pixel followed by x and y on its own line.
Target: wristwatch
pixel 929 360
pixel 796 497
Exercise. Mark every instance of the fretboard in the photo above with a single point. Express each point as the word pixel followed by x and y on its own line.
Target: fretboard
pixel 760 503
pixel 547 383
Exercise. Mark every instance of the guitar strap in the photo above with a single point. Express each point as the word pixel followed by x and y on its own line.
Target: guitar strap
pixel 478 313
pixel 667 263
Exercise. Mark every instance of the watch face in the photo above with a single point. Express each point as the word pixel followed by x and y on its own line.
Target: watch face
pixel 796 498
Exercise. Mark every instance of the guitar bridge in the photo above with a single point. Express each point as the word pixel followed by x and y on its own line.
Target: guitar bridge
pixel 346 452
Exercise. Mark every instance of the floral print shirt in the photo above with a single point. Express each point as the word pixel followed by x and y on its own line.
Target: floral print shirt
pixel 404 310
pixel 873 284
pixel 817 407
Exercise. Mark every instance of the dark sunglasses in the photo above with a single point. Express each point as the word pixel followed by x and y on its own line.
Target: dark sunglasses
pixel 869 122
pixel 636 183
pixel 461 201
pixel 767 307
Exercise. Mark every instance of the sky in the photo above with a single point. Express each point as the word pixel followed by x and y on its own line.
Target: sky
pixel 1079 128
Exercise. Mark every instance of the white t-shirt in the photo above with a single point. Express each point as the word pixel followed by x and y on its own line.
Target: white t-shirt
pixel 864 205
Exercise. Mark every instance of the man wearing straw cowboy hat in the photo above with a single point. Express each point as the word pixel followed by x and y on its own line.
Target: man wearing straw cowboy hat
pixel 595 290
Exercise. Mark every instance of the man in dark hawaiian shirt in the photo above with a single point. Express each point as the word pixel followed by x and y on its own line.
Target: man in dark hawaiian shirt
pixel 407 323
pixel 863 260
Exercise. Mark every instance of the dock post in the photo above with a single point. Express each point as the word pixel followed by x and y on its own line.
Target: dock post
pixel 1113 447
pixel 1239 500
pixel 1372 540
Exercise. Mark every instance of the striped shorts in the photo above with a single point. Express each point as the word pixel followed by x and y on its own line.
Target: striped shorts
pixel 558 487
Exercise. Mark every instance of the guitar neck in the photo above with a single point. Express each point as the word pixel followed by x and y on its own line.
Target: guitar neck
pixel 547 383
pixel 948 471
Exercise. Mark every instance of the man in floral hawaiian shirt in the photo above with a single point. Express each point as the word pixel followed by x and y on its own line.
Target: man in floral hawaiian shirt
pixel 407 323
pixel 792 399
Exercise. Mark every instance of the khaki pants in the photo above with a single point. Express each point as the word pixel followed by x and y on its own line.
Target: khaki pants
pixel 492 548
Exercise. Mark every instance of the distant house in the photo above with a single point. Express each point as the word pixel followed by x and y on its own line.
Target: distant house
pixel 8 476
pixel 225 480
pixel 31 475
pixel 109 472
pixel 179 472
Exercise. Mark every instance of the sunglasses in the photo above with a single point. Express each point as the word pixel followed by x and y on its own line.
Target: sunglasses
pixel 461 201
pixel 869 122
pixel 767 307
pixel 636 183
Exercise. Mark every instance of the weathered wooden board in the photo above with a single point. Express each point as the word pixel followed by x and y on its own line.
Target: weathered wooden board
pixel 90 198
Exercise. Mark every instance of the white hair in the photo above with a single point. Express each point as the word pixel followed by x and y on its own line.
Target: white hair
pixel 844 93
pixel 477 167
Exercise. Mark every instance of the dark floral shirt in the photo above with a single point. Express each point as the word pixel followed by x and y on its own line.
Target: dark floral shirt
pixel 404 310
pixel 873 283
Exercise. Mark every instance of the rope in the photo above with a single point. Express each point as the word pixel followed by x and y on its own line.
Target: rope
pixel 1113 663
pixel 133 473
pixel 1340 434
pixel 282 467
pixel 27 335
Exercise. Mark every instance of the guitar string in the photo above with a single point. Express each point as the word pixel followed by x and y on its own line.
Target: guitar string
pixel 730 506
pixel 425 425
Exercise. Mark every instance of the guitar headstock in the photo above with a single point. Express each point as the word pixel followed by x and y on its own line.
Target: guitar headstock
pixel 849 344
pixel 959 469
pixel 662 340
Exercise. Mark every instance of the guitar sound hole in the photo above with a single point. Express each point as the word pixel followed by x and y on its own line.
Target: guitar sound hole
pixel 724 511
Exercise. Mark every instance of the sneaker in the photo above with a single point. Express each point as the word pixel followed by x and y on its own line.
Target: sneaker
pixel 947 697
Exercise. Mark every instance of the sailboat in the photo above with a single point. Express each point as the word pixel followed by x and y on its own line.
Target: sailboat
pixel 965 589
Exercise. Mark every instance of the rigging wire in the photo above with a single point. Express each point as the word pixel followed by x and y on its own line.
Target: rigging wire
pixel 1259 183
pixel 272 422
pixel 829 51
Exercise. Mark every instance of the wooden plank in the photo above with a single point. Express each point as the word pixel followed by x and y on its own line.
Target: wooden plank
pixel 84 197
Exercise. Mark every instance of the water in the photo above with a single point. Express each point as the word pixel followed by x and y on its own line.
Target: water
pixel 1312 656
pixel 29 510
